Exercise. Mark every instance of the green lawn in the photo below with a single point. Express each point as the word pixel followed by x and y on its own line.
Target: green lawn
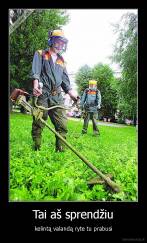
pixel 49 176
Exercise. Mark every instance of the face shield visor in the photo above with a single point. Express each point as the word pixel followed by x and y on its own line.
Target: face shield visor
pixel 59 43
pixel 92 85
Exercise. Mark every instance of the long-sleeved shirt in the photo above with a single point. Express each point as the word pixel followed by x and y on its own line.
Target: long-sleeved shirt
pixel 53 76
pixel 91 100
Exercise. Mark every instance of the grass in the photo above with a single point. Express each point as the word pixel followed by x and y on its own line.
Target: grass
pixel 49 176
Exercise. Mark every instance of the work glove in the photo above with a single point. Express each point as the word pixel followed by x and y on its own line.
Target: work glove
pixel 99 107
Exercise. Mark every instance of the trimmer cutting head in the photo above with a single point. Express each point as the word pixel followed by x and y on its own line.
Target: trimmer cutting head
pixel 97 180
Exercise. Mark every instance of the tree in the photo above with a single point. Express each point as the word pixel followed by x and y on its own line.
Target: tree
pixel 31 35
pixel 82 77
pixel 125 53
pixel 104 76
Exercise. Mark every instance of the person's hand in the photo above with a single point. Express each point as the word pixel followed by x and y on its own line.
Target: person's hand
pixel 37 91
pixel 99 107
pixel 73 96
pixel 80 107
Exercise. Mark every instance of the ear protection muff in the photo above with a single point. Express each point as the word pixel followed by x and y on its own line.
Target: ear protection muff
pixel 49 38
pixel 50 43
pixel 50 33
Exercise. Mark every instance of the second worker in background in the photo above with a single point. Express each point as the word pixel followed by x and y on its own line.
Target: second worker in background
pixel 90 104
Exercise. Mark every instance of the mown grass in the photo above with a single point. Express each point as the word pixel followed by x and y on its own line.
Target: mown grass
pixel 49 176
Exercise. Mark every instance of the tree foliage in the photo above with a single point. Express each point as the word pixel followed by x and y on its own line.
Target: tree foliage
pixel 117 93
pixel 104 76
pixel 82 77
pixel 125 53
pixel 31 35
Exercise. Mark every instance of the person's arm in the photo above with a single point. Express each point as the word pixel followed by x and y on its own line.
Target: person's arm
pixel 37 89
pixel 66 86
pixel 36 71
pixel 83 99
pixel 99 99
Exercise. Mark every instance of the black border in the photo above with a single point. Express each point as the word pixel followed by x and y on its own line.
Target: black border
pixel 129 218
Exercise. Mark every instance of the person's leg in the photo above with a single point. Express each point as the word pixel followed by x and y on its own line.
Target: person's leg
pixel 59 120
pixel 37 126
pixel 86 121
pixel 94 122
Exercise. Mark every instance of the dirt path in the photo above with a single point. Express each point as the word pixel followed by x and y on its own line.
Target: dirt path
pixel 110 124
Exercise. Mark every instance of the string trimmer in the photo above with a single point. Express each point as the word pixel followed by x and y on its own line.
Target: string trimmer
pixel 18 97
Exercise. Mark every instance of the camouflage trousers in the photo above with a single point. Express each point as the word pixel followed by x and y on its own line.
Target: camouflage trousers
pixel 93 116
pixel 59 120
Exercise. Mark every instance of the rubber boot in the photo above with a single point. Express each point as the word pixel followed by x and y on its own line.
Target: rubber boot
pixel 60 147
pixel 96 133
pixel 37 143
pixel 84 131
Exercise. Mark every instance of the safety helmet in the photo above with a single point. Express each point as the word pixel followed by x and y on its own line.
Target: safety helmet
pixel 92 82
pixel 54 36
